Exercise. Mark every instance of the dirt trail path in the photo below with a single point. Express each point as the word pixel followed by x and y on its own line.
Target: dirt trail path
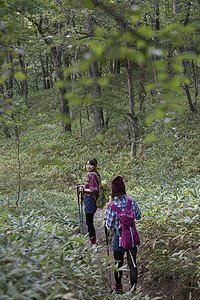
pixel 166 290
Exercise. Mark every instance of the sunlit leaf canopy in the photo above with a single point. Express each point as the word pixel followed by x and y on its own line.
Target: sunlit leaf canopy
pixel 121 31
pixel 92 78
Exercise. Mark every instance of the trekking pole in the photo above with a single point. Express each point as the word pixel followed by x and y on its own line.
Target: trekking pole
pixel 79 207
pixel 82 201
pixel 107 251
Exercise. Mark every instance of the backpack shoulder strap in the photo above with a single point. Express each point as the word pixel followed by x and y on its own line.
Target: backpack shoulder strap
pixel 114 207
pixel 128 207
pixel 98 178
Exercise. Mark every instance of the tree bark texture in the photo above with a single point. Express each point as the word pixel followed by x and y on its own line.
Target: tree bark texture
pixel 157 27
pixel 96 90
pixel 24 82
pixel 176 6
pixel 8 94
pixel 64 108
pixel 133 118
pixel 196 81
pixel 187 90
pixel 43 72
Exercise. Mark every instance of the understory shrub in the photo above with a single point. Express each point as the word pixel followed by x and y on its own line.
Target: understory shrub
pixel 170 232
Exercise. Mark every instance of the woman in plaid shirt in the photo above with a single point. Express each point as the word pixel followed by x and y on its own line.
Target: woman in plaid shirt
pixel 120 200
pixel 91 192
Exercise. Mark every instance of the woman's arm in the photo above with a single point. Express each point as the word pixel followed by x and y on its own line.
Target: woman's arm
pixel 110 218
pixel 135 208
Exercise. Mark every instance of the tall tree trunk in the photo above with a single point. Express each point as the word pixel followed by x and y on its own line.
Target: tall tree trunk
pixel 117 67
pixel 96 90
pixel 43 72
pixel 24 82
pixel 64 108
pixel 157 27
pixel 50 75
pixel 187 90
pixel 188 13
pixel 111 66
pixel 175 4
pixel 80 120
pixel 47 72
pixel 196 81
pixel 133 118
pixel 184 63
pixel 36 80
pixel 8 94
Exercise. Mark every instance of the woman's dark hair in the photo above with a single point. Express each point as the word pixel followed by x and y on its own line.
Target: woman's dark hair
pixel 93 162
pixel 118 194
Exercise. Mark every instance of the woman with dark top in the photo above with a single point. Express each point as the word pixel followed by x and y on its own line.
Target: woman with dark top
pixel 91 191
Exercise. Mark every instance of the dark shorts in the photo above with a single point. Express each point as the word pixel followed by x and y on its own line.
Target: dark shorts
pixel 115 245
pixel 90 204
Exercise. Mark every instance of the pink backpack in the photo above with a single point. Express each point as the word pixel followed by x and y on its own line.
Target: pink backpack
pixel 129 236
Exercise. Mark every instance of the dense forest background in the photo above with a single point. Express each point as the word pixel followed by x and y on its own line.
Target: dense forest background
pixel 110 79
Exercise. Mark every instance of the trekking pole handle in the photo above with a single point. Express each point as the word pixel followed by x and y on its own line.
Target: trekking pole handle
pixel 78 190
pixel 106 233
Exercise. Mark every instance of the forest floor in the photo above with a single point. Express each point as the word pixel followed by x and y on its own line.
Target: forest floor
pixel 160 290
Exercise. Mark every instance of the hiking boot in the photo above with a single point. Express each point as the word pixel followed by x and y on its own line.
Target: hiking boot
pixel 93 241
pixel 117 288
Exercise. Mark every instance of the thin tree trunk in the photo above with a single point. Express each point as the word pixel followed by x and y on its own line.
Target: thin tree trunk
pixel 80 120
pixel 188 13
pixel 117 66
pixel 8 94
pixel 36 80
pixel 175 6
pixel 24 82
pixel 96 90
pixel 157 27
pixel 47 72
pixel 128 131
pixel 50 76
pixel 88 114
pixel 43 72
pixel 196 82
pixel 64 108
pixel 111 66
pixel 19 171
pixel 184 63
pixel 133 118
pixel 187 90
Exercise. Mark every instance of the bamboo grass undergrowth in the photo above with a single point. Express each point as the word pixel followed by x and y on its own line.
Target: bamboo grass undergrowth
pixel 43 256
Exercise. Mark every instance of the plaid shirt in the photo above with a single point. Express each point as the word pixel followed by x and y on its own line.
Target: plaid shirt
pixel 112 216
pixel 92 184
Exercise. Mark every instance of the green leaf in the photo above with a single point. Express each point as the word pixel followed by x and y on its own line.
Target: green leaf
pixel 20 76
pixel 107 258
pixel 61 84
pixel 58 162
pixel 150 138
pixel 163 76
pixel 103 81
pixel 89 3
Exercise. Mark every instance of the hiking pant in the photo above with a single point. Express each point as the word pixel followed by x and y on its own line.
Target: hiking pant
pixel 90 225
pixel 119 257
